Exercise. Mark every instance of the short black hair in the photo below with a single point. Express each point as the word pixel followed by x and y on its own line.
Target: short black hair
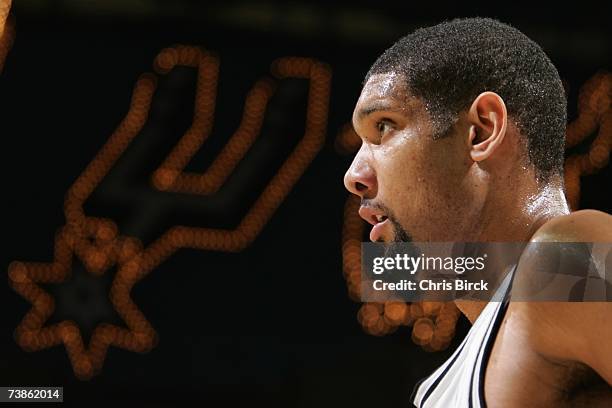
pixel 448 65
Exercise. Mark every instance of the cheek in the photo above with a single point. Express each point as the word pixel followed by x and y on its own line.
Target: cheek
pixel 404 172
pixel 421 185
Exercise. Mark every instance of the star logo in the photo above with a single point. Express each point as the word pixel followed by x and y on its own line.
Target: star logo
pixel 98 252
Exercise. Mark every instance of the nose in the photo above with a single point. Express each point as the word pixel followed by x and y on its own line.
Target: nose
pixel 360 178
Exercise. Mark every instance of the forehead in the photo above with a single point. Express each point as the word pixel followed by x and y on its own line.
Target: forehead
pixel 384 86
pixel 385 92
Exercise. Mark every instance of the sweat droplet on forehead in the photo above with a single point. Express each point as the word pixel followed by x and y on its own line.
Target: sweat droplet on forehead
pixel 388 84
pixel 385 86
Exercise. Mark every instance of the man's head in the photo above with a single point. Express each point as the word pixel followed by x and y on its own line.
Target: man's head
pixel 448 116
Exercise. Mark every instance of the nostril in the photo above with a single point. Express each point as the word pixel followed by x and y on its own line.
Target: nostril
pixel 360 186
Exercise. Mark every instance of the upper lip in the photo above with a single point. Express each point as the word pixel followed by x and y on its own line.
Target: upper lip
pixel 372 215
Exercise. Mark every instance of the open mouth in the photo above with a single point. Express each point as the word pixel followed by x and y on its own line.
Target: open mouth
pixel 377 218
pixel 380 218
pixel 378 229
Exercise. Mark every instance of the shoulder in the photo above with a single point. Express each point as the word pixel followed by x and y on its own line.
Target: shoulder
pixel 579 226
pixel 570 330
pixel 574 245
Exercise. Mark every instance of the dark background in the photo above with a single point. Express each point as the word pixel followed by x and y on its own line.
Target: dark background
pixel 272 324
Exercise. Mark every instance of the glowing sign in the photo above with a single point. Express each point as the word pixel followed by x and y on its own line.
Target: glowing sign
pixel 96 241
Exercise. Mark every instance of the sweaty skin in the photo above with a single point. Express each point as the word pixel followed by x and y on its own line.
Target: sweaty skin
pixel 475 184
pixel 555 353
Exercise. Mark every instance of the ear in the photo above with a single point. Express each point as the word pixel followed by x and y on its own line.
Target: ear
pixel 488 119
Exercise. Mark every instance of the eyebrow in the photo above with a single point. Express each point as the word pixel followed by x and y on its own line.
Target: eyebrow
pixel 376 107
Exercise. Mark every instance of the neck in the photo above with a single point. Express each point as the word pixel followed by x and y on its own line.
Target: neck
pixel 518 211
pixel 525 210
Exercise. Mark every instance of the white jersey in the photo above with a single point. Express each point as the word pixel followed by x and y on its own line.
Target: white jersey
pixel 459 382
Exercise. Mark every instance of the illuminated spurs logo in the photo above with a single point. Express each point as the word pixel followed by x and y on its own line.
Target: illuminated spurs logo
pixel 96 241
pixel 7 31
pixel 594 116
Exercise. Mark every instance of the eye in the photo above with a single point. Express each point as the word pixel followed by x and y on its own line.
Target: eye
pixel 383 126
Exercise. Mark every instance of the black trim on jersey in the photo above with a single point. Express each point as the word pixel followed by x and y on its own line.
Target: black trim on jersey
pixel 442 374
pixel 485 342
pixel 487 351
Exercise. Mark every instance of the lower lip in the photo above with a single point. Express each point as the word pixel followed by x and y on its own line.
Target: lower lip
pixel 377 230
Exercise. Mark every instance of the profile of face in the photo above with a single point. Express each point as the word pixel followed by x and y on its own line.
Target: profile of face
pixel 413 185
